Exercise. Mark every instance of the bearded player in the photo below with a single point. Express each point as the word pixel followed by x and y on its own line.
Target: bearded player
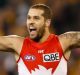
pixel 42 52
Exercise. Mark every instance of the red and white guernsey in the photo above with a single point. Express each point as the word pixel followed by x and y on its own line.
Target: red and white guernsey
pixel 42 58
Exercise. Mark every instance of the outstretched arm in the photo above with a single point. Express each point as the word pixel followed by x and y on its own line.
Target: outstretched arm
pixel 69 39
pixel 11 43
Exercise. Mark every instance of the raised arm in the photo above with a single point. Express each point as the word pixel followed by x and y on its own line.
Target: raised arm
pixel 11 43
pixel 69 38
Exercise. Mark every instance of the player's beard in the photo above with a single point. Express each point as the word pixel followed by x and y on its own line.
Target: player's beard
pixel 40 34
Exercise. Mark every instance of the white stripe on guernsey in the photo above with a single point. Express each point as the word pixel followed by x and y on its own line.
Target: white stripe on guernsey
pixel 60 70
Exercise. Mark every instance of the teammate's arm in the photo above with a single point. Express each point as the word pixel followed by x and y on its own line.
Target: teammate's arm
pixel 69 39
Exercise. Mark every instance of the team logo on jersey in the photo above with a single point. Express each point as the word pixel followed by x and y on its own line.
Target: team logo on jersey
pixel 30 57
pixel 52 57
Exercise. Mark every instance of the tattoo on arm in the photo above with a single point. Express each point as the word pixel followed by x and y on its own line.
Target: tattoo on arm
pixel 71 35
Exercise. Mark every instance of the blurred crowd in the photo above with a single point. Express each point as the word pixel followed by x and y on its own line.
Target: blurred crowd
pixel 8 64
pixel 13 14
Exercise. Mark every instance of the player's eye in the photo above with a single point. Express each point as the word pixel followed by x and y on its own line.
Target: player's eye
pixel 37 17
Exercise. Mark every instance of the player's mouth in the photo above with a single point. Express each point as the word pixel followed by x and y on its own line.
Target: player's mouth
pixel 32 30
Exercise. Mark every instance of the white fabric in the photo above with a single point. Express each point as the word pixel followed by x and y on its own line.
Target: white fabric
pixel 60 70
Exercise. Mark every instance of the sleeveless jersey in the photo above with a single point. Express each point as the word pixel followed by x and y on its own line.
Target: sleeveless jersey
pixel 43 58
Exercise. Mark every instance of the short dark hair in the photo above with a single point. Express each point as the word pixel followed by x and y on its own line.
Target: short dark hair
pixel 47 11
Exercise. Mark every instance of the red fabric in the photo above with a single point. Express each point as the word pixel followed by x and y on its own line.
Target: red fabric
pixel 31 48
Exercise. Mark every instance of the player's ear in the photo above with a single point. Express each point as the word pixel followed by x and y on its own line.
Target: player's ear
pixel 48 22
